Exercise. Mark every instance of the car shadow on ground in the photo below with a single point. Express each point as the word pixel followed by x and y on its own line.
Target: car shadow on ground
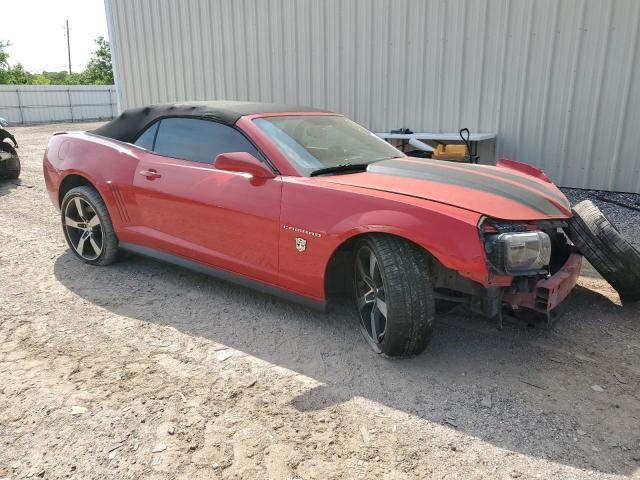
pixel 538 380
pixel 7 186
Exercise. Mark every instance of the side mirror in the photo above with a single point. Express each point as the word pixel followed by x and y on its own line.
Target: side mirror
pixel 242 162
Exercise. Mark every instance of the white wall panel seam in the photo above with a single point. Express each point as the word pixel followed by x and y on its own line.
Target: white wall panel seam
pixel 547 83
pixel 503 64
pixel 591 138
pixel 577 46
pixel 483 56
pixel 631 66
pixel 524 77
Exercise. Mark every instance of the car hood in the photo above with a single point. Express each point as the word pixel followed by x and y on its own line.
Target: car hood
pixel 499 192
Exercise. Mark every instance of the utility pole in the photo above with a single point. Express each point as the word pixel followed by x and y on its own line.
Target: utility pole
pixel 68 47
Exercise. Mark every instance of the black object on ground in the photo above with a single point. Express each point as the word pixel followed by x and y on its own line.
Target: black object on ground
pixel 606 249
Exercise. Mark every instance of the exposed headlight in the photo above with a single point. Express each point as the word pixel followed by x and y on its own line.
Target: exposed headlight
pixel 519 253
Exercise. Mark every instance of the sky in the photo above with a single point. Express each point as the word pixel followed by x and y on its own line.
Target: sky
pixel 36 29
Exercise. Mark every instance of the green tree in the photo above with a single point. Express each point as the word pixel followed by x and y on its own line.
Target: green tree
pixel 4 61
pixel 56 78
pixel 18 75
pixel 4 56
pixel 41 80
pixel 77 79
pixel 9 74
pixel 99 70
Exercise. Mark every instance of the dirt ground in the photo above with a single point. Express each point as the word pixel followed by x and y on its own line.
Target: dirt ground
pixel 144 370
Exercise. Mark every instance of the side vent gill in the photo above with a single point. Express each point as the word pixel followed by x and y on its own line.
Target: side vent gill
pixel 120 204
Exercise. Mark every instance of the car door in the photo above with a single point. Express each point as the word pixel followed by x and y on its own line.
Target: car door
pixel 187 207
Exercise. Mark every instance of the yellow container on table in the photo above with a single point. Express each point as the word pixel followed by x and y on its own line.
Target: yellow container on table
pixel 456 153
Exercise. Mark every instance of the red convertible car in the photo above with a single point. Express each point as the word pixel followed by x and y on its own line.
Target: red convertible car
pixel 307 204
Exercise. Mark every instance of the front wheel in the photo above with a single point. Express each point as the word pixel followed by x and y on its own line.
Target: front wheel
pixel 87 226
pixel 393 295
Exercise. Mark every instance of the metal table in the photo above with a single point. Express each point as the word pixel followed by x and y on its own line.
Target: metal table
pixel 417 139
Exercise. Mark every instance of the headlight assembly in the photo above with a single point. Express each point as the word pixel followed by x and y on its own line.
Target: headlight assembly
pixel 518 253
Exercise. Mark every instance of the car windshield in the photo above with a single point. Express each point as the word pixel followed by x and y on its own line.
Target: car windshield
pixel 316 142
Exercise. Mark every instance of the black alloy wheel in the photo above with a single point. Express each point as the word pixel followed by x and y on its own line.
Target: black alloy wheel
pixel 393 294
pixel 370 297
pixel 87 226
pixel 83 228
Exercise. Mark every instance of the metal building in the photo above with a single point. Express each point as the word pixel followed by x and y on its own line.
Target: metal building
pixel 557 80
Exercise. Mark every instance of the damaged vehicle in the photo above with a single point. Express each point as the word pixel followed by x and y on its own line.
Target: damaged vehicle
pixel 307 205
pixel 9 159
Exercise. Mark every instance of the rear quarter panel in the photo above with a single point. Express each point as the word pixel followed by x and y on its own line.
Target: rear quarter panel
pixel 338 213
pixel 107 164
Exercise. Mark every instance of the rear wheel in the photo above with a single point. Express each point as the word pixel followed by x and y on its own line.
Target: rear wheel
pixel 9 168
pixel 87 226
pixel 393 295
pixel 606 249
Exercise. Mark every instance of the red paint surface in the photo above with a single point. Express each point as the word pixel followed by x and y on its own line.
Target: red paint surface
pixel 231 221
pixel 522 167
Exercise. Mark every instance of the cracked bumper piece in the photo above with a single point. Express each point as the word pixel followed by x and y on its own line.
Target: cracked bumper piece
pixel 548 293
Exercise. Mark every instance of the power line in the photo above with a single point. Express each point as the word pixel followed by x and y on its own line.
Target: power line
pixel 68 47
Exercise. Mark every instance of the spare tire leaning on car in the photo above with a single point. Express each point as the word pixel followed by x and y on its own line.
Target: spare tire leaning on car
pixel 606 249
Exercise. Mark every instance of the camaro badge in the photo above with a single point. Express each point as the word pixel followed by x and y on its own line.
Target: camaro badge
pixel 301 244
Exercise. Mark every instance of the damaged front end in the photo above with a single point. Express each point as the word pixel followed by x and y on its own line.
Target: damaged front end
pixel 544 295
pixel 544 266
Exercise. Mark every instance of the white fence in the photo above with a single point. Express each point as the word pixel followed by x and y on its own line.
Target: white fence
pixel 57 103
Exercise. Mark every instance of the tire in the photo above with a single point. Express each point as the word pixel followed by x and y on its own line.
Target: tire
pixel 90 221
pixel 606 249
pixel 401 282
pixel 10 169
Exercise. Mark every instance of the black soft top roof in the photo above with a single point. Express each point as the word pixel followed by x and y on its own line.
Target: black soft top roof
pixel 131 123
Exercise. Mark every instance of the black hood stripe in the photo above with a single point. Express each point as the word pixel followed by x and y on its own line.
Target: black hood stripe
pixel 435 173
pixel 502 173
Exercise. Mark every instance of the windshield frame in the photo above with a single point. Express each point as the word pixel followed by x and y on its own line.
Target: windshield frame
pixel 258 123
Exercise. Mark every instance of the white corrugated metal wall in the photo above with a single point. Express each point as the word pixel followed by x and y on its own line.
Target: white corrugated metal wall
pixel 55 103
pixel 557 80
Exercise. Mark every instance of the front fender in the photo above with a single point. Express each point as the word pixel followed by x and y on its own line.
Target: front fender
pixel 328 217
pixel 453 240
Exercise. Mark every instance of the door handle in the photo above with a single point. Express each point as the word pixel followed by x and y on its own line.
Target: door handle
pixel 150 174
